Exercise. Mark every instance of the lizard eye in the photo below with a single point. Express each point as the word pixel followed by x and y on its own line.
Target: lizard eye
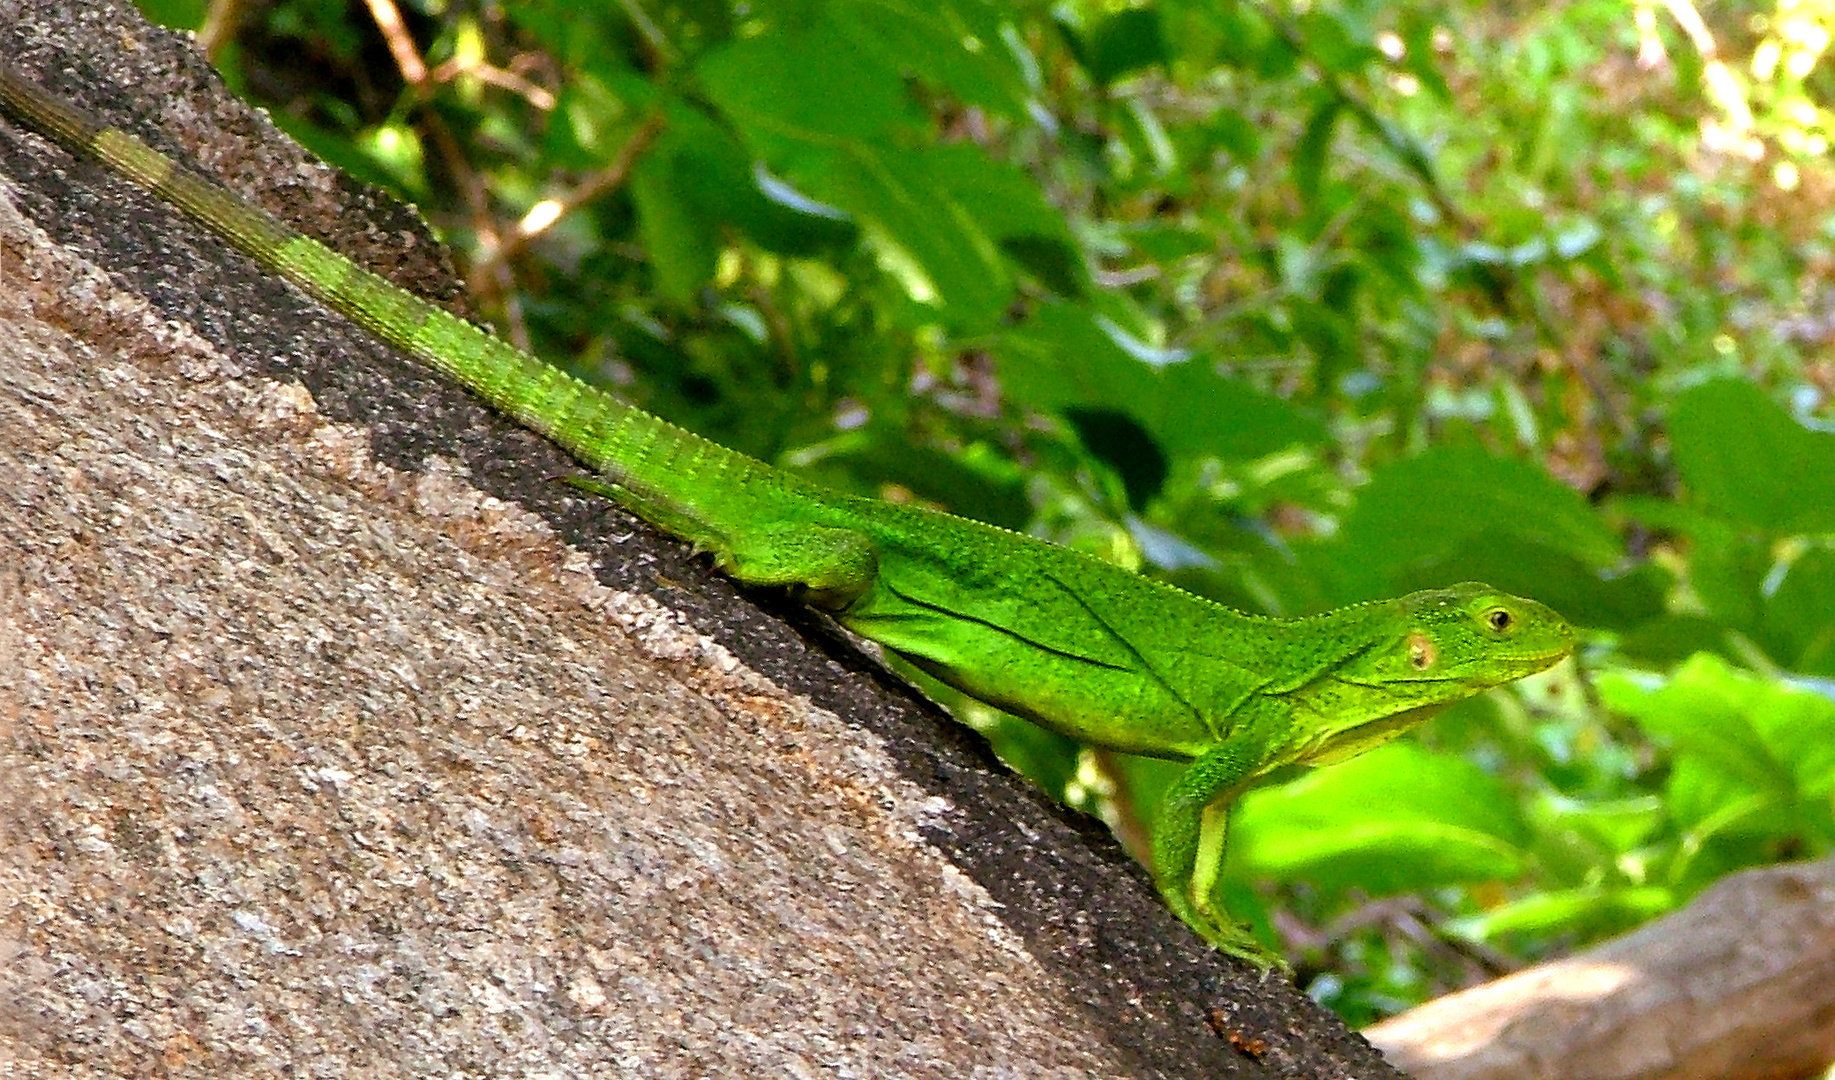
pixel 1499 619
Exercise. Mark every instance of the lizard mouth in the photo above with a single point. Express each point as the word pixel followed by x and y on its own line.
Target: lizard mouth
pixel 1528 663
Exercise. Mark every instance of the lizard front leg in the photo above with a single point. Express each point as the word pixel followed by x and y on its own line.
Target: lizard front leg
pixel 1188 840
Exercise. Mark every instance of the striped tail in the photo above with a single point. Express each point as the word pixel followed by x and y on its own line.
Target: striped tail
pixel 624 443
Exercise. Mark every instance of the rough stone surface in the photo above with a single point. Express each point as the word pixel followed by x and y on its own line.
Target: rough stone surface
pixel 317 764
pixel 336 738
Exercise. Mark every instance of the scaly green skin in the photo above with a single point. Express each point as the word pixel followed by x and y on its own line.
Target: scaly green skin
pixel 1076 644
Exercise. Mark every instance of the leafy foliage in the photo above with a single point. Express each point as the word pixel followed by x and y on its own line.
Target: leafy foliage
pixel 1293 304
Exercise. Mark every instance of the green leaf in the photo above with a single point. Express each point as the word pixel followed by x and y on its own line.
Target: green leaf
pixel 1235 134
pixel 1314 149
pixel 763 83
pixel 1767 737
pixel 974 481
pixel 1417 34
pixel 1045 757
pixel 1669 640
pixel 1612 826
pixel 935 216
pixel 1728 567
pixel 1393 819
pixel 1419 513
pixel 1001 201
pixel 1116 438
pixel 1063 357
pixel 178 14
pixel 1333 41
pixel 1586 912
pixel 1165 242
pixel 1576 837
pixel 708 169
pixel 679 238
pixel 1707 801
pixel 1533 568
pixel 956 46
pixel 1744 458
pixel 591 37
pixel 1799 619
pixel 1246 40
pixel 1125 42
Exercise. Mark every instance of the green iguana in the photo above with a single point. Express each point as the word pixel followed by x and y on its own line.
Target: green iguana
pixel 1078 645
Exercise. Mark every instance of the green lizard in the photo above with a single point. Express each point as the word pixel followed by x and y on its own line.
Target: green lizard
pixel 1076 644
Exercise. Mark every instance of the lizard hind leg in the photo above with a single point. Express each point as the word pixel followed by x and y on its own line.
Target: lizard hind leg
pixel 823 566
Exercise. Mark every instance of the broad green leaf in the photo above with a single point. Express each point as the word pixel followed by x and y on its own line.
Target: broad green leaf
pixel 1002 202
pixel 1613 826
pixel 930 242
pixel 1314 149
pixel 1125 42
pixel 680 239
pixel 1799 619
pixel 1585 911
pixel 1533 568
pixel 1235 134
pixel 1422 511
pixel 1769 737
pixel 1670 639
pixel 1417 34
pixel 1393 819
pixel 1062 357
pixel 935 217
pixel 1119 440
pixel 974 482
pixel 711 172
pixel 1047 758
pixel 1246 40
pixel 588 37
pixel 1728 567
pixel 1707 801
pixel 592 120
pixel 957 46
pixel 763 83
pixel 1745 458
pixel 1336 39
pixel 178 14
pixel 1164 242
pixel 1576 837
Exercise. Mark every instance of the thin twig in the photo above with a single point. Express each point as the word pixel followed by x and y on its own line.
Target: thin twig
pixel 221 22
pixel 539 97
pixel 401 44
pixel 610 178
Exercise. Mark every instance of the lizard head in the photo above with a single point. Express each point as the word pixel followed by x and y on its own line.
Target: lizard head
pixel 1421 653
pixel 1471 636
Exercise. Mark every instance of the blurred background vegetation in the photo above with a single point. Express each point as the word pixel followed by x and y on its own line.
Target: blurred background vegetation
pixel 1294 304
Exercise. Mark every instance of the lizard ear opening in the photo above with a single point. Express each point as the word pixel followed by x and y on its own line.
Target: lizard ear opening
pixel 1421 651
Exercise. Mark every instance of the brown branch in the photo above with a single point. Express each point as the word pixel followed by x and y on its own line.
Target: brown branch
pixel 1738 985
pixel 610 178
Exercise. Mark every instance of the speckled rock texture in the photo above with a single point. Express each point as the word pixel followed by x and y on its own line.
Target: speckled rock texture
pixel 337 740
pixel 316 763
